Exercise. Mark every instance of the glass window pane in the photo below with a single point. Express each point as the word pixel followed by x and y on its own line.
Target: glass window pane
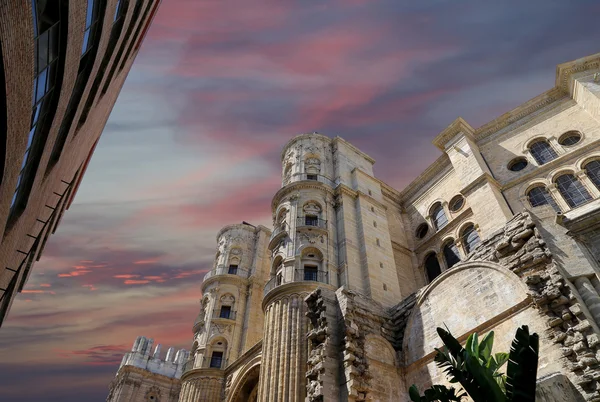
pixel 41 85
pixel 117 10
pixel 35 18
pixel 90 13
pixel 540 196
pixel 24 160
pixel 593 171
pixel 42 50
pixel 53 43
pixel 35 115
pixel 470 238
pixel 439 217
pixel 30 137
pixel 572 190
pixel 12 202
pixel 86 38
pixel 542 152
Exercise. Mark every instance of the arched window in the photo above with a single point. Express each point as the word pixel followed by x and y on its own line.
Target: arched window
pixel 470 238
pixel 592 169
pixel 451 254
pixel 572 190
pixel 542 152
pixel 432 267
pixel 539 196
pixel 438 216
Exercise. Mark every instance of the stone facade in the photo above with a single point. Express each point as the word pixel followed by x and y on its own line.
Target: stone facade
pixel 341 300
pixel 144 377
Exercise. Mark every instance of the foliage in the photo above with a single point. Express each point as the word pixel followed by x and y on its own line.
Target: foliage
pixel 477 370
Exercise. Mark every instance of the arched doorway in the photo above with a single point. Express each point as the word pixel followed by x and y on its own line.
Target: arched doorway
pixel 248 391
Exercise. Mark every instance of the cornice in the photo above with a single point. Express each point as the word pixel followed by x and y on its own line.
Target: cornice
pixel 303 137
pixel 483 178
pixel 290 288
pixel 198 373
pixel 224 278
pixel 564 71
pixel 391 193
pixel 352 147
pixel 456 127
pixel 235 226
pixel 563 88
pixel 298 185
pixel 401 248
pixel 129 369
pixel 441 165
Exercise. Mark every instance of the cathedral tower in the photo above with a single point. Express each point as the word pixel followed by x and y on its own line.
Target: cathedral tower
pixel 230 302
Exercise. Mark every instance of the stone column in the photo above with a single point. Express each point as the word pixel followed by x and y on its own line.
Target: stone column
pixel 588 184
pixel 240 316
pixel 284 360
pixel 590 296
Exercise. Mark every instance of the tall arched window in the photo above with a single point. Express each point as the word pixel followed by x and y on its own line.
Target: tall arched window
pixel 542 152
pixel 539 196
pixel 451 254
pixel 432 267
pixel 572 190
pixel 470 238
pixel 592 169
pixel 438 216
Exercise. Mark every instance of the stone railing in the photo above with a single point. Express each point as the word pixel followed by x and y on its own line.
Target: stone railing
pixel 311 221
pixel 309 177
pixel 300 275
pixel 224 315
pixel 206 364
pixel 226 270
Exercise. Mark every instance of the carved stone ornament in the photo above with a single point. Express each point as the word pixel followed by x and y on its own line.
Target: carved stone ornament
pixel 311 208
pixel 225 299
pixel 312 238
pixel 312 149
pixel 153 391
pixel 236 251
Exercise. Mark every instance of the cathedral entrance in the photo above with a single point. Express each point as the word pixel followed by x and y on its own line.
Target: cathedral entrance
pixel 248 391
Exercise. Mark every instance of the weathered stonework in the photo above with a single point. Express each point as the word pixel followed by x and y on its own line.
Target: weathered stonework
pixel 341 300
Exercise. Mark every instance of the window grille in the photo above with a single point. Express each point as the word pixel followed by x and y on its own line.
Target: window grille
pixel 470 238
pixel 592 169
pixel 439 217
pixel 542 152
pixel 539 196
pixel 572 190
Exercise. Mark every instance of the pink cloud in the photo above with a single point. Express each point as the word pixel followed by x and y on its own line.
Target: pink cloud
pixel 135 282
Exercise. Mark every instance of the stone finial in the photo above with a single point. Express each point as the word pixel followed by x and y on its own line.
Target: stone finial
pixel 136 344
pixel 181 356
pixel 148 348
pixel 141 345
pixel 157 352
pixel 170 354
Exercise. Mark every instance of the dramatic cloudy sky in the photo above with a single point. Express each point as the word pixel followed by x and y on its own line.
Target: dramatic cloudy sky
pixel 193 144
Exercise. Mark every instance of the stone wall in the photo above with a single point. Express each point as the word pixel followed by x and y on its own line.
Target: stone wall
pixel 133 384
pixel 549 304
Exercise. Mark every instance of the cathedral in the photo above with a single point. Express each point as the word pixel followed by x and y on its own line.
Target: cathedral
pixel 340 299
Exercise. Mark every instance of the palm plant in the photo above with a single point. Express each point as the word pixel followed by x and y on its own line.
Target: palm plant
pixel 478 371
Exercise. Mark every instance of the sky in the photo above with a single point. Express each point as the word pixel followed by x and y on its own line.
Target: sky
pixel 194 143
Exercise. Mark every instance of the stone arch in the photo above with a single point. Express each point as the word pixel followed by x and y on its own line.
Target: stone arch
pixel 312 207
pixel 527 144
pixel 553 175
pixel 530 185
pixel 445 301
pixel 581 162
pixel 245 385
pixel 378 348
